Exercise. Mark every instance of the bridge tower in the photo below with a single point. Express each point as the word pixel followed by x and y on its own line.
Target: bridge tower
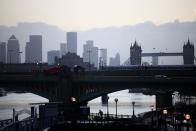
pixel 135 54
pixel 188 53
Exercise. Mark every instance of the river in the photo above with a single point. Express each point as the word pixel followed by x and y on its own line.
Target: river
pixel 22 100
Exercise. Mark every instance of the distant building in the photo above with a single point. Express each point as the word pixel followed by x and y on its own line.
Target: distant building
pixel 34 49
pixel 63 49
pixel 103 57
pixel 52 55
pixel 71 59
pixel 90 53
pixel 115 61
pixel 188 53
pixel 135 54
pixel 13 50
pixel 72 42
pixel 2 52
pixel 28 53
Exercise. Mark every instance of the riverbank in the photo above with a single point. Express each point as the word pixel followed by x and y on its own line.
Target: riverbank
pixel 102 126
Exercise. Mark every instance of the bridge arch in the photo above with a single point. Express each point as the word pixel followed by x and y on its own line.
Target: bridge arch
pixel 87 98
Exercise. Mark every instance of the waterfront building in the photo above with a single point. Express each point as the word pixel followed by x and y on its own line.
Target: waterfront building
pixel 135 54
pixel 72 42
pixel 13 50
pixel 2 52
pixel 188 53
pixel 34 49
pixel 52 55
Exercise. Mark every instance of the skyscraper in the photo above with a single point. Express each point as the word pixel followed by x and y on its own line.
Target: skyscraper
pixel 72 42
pixel 135 54
pixel 103 57
pixel 90 53
pixel 2 52
pixel 13 50
pixel 52 55
pixel 34 49
pixel 28 52
pixel 63 49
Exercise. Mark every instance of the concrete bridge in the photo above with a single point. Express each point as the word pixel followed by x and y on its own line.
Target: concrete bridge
pixel 79 88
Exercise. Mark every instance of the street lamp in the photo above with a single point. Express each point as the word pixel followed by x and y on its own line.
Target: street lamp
pixel 133 116
pixel 116 100
pixel 165 113
pixel 73 99
pixel 107 105
pixel 152 107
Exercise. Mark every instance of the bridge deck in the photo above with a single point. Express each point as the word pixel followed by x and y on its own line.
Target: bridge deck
pixel 162 54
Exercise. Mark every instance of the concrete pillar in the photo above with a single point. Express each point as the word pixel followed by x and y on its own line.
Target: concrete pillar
pixel 163 100
pixel 65 91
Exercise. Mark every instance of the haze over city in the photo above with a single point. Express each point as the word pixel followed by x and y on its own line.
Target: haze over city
pixel 97 65
pixel 106 22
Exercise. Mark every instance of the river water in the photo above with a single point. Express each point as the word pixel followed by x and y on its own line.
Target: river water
pixel 124 106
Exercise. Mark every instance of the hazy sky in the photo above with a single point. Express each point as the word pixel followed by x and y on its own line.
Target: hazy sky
pixel 87 14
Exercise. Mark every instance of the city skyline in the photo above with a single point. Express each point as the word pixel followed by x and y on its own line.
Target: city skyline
pixel 169 37
pixel 75 53
pixel 90 53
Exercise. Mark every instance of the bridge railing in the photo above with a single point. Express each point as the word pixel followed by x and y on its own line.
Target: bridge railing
pixel 5 123
pixel 97 116
pixel 29 124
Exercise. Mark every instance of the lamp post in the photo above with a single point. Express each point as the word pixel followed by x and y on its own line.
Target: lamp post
pixel 152 107
pixel 133 116
pixel 73 99
pixel 107 105
pixel 116 100
pixel 165 114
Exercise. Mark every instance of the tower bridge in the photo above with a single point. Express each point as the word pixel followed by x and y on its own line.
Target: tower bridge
pixel 136 54
pixel 86 86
